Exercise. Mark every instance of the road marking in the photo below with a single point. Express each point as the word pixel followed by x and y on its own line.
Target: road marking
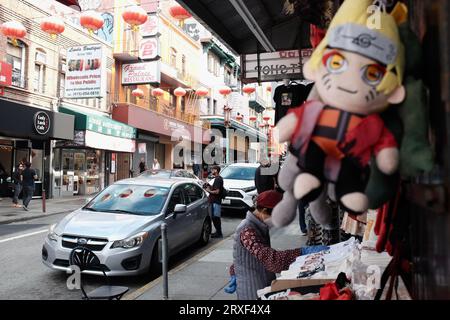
pixel 23 235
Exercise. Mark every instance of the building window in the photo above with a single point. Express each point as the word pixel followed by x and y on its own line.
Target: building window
pixel 173 57
pixel 215 107
pixel 39 71
pixel 183 65
pixel 208 106
pixel 213 64
pixel 15 56
pixel 227 76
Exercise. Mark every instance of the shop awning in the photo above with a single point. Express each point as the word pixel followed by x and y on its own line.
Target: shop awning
pixel 100 132
pixel 99 124
pixel 253 26
pixel 218 122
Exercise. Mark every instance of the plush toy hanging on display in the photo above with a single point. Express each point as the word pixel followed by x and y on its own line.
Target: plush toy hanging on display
pixel 358 73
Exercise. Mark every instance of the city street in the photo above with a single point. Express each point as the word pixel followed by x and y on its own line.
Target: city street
pixel 24 276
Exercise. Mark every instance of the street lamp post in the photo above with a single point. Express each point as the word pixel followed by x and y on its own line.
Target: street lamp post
pixel 227 123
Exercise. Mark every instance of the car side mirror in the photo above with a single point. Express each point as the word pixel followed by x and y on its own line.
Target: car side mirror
pixel 180 208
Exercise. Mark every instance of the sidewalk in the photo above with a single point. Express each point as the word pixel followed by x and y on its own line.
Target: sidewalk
pixel 9 214
pixel 205 275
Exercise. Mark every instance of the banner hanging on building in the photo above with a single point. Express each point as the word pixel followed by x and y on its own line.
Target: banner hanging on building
pixel 86 72
pixel 275 66
pixel 141 73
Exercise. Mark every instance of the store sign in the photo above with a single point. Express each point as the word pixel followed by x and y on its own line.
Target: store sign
pixel 275 66
pixel 41 122
pixel 140 73
pixel 99 141
pixel 5 74
pixel 151 27
pixel 108 127
pixel 149 49
pixel 79 137
pixel 142 147
pixel 86 72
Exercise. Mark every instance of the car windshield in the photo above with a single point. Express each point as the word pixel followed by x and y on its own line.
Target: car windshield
pixel 130 199
pixel 238 173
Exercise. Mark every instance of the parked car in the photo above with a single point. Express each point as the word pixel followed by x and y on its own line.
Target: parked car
pixel 239 181
pixel 122 225
pixel 172 174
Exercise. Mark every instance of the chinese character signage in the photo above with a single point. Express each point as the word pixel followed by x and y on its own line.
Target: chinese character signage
pixel 151 27
pixel 149 49
pixel 140 73
pixel 86 72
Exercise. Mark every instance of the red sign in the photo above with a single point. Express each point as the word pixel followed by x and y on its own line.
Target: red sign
pixel 149 49
pixel 5 74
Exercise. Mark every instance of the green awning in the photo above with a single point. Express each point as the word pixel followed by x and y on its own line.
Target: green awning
pixel 99 124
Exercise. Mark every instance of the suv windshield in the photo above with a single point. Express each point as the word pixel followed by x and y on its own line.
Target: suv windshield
pixel 238 173
pixel 130 199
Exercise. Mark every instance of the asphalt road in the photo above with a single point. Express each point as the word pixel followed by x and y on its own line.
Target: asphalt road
pixel 23 276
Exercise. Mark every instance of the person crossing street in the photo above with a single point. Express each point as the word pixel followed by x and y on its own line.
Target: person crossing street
pixel 215 199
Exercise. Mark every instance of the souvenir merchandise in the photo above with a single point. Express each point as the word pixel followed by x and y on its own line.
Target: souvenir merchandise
pixel 354 224
pixel 290 95
pixel 333 138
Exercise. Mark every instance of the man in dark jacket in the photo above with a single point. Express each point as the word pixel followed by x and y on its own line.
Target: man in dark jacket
pixel 264 182
pixel 28 177
pixel 215 200
pixel 17 181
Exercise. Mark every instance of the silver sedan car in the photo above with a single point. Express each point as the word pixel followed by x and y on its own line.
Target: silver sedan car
pixel 122 225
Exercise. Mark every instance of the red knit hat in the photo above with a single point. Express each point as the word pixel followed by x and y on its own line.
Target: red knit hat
pixel 269 199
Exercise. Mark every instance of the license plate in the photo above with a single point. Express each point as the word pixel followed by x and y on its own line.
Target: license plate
pixel 226 201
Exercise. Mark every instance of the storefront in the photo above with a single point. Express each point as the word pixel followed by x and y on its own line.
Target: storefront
pixel 25 135
pixel 158 135
pixel 100 153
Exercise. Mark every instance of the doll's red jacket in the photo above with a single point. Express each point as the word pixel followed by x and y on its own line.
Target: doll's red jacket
pixel 368 137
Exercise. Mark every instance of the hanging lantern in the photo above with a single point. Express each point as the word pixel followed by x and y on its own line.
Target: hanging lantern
pixel 91 20
pixel 179 13
pixel 202 92
pixel 138 93
pixel 248 90
pixel 179 92
pixel 266 118
pixel 252 118
pixel 135 16
pixel 13 30
pixel 53 26
pixel 225 91
pixel 262 125
pixel 157 92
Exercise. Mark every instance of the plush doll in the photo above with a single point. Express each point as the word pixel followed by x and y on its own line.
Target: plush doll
pixel 358 73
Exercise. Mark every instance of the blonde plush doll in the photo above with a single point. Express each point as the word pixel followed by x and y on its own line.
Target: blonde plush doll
pixel 358 73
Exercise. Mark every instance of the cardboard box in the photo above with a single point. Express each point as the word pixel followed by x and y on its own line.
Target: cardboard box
pixel 278 285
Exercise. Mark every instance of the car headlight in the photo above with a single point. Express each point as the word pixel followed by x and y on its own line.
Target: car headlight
pixel 131 242
pixel 249 189
pixel 51 233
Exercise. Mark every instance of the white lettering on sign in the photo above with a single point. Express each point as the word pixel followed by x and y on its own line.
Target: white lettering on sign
pixel 146 72
pixel 42 122
pixel 276 65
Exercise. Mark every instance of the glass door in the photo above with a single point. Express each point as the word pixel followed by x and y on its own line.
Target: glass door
pixel 68 172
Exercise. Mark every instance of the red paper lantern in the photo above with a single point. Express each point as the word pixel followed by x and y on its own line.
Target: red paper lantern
pixel 53 26
pixel 266 118
pixel 157 92
pixel 179 92
pixel 248 90
pixel 91 20
pixel 225 91
pixel 138 93
pixel 262 125
pixel 135 16
pixel 252 118
pixel 14 30
pixel 202 92
pixel 179 13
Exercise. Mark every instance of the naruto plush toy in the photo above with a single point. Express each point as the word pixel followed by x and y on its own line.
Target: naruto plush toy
pixel 358 72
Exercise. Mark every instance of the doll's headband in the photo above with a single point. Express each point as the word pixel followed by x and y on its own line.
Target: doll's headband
pixel 362 40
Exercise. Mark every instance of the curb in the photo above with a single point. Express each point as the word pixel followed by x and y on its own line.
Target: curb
pixel 32 217
pixel 140 291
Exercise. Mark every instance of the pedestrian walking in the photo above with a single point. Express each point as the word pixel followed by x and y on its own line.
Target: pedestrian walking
pixel 216 193
pixel 28 177
pixel 263 181
pixel 17 182
pixel 156 165
pixel 255 263
pixel 142 165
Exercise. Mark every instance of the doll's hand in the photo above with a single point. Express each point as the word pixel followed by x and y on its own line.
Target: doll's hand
pixel 387 160
pixel 286 127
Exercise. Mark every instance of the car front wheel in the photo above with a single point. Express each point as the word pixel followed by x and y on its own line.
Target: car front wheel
pixel 206 232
